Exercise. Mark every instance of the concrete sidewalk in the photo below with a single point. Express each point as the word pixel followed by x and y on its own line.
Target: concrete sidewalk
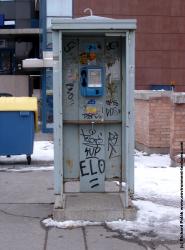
pixel 26 198
pixel 39 136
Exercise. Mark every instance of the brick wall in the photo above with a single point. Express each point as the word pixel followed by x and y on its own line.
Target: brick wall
pixel 142 122
pixel 177 130
pixel 160 122
pixel 153 112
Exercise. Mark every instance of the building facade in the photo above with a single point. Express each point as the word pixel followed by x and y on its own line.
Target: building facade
pixel 19 39
pixel 48 10
pixel 160 37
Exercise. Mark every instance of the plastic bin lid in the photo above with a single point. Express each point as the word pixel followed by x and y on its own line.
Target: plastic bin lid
pixel 20 104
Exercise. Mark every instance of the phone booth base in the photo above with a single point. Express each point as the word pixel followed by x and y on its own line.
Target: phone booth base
pixel 93 79
pixel 97 207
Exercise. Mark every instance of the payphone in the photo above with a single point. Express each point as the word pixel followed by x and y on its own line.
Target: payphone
pixel 91 81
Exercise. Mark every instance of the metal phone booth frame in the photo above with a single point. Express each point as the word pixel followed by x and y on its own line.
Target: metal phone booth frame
pixel 92 128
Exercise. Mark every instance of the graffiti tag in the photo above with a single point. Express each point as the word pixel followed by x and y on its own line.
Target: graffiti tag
pixel 92 165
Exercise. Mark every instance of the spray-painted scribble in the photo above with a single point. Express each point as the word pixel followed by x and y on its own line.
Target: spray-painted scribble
pixel 112 143
pixel 93 142
pixel 111 102
pixel 112 45
pixel 70 46
pixel 112 108
pixel 112 111
pixel 90 116
pixel 111 87
pixel 70 93
pixel 93 113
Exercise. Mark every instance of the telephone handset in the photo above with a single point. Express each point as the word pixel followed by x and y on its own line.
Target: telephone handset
pixel 84 78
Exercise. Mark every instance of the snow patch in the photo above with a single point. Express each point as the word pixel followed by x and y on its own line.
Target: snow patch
pixel 69 223
pixel 42 151
pixel 153 220
pixel 27 169
pixel 142 160
pixel 157 183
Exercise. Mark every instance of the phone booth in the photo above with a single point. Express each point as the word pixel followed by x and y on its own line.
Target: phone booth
pixel 93 85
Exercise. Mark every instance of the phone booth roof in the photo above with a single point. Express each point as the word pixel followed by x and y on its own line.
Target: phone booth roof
pixel 92 22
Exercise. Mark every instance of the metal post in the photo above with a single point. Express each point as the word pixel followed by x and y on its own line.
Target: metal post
pixel 131 83
pixel 58 118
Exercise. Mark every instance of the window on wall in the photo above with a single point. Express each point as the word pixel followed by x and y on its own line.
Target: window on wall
pixel 6 61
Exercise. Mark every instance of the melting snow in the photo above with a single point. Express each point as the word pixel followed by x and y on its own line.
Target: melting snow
pixel 42 152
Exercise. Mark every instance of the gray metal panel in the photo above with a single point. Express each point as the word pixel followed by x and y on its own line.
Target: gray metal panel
pixel 71 152
pixel 70 79
pixel 124 125
pixel 129 135
pixel 58 116
pixel 113 149
pixel 113 79
pixel 92 158
pixel 127 112
pixel 131 144
pixel 75 24
pixel 70 49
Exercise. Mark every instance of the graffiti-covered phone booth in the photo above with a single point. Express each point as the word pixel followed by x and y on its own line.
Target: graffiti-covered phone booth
pixel 93 77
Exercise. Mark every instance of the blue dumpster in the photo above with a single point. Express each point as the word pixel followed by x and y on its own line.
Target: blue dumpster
pixel 18 120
